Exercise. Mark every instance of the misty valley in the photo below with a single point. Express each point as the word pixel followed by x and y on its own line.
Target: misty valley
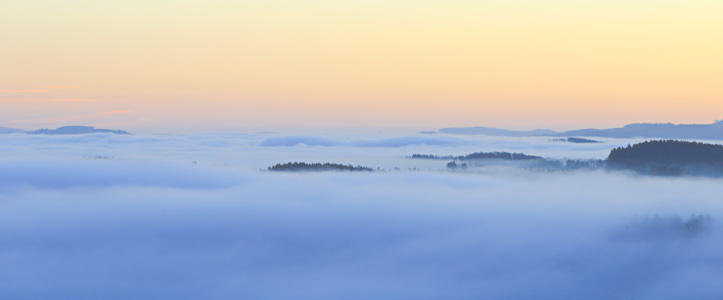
pixel 332 216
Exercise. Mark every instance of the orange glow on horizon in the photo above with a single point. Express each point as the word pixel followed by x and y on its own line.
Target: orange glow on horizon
pixel 225 65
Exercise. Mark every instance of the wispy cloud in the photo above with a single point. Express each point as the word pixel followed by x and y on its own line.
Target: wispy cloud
pixel 48 100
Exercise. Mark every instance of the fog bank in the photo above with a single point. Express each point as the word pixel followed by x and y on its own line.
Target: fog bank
pixel 192 217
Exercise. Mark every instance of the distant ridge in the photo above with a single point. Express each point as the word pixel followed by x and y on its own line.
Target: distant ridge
pixel 66 130
pixel 643 130
pixel 576 140
pixel 495 131
pixel 6 130
pixel 657 130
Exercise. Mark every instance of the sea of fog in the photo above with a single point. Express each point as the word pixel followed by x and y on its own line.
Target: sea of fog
pixel 106 216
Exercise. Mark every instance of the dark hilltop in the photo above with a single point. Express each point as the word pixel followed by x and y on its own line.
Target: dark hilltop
pixel 66 130
pixel 301 166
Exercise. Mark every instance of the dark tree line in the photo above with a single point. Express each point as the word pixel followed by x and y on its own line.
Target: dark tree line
pixel 431 156
pixel 668 152
pixel 301 166
pixel 575 164
pixel 520 159
pixel 498 155
pixel 480 155
pixel 669 158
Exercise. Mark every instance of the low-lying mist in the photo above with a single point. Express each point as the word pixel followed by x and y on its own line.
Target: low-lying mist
pixel 194 217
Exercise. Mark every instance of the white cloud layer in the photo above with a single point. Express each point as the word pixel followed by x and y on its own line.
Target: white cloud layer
pixel 121 217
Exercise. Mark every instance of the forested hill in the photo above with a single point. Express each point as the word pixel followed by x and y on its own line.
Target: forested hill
pixel 669 157
pixel 521 160
pixel 301 166
pixel 480 155
pixel 67 130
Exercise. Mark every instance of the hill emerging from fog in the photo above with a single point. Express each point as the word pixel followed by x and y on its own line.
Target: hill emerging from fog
pixel 494 131
pixel 301 166
pixel 669 158
pixel 638 130
pixel 6 130
pixel 67 130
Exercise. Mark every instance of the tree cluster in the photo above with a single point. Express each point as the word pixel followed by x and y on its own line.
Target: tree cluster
pixel 498 155
pixel 480 155
pixel 431 156
pixel 301 166
pixel 669 153
pixel 454 165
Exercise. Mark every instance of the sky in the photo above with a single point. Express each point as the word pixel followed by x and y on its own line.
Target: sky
pixel 157 66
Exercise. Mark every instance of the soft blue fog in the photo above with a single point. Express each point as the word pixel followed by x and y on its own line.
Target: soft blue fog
pixel 195 217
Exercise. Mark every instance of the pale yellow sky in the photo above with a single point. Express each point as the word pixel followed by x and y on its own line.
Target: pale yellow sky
pixel 175 66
